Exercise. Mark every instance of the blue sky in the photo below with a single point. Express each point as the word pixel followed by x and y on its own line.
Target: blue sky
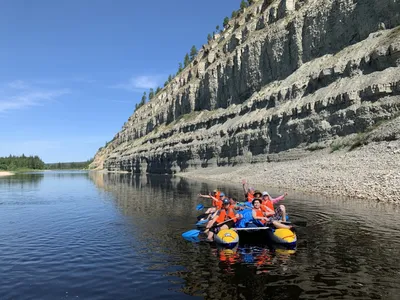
pixel 72 71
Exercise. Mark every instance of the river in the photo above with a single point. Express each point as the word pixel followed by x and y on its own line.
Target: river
pixel 80 235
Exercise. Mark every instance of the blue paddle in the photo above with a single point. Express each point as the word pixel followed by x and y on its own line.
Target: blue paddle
pixel 199 207
pixel 191 234
pixel 201 222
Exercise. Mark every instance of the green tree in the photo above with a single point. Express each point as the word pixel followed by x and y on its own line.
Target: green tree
pixel 12 163
pixel 143 101
pixel 158 90
pixel 180 68
pixel 166 83
pixel 193 52
pixel 186 61
pixel 226 21
pixel 243 4
pixel 234 14
pixel 151 94
pixel 169 78
pixel 209 37
pixel 217 28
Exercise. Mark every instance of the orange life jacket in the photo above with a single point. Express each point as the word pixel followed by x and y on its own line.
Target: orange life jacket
pixel 225 215
pixel 259 213
pixel 218 195
pixel 269 204
pixel 217 203
pixel 266 209
pixel 250 197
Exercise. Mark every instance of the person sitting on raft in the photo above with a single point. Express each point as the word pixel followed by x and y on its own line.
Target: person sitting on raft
pixel 216 198
pixel 261 219
pixel 224 214
pixel 268 205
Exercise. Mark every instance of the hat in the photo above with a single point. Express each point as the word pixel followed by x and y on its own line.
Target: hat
pixel 215 191
pixel 256 199
pixel 265 193
pixel 226 201
pixel 222 194
pixel 257 192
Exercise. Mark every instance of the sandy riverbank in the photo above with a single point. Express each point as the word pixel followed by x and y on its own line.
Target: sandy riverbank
pixel 4 173
pixel 372 171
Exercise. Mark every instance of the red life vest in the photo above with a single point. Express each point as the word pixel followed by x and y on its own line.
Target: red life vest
pixel 259 213
pixel 225 215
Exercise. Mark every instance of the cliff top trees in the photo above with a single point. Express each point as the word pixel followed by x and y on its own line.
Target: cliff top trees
pixel 186 60
pixel 193 52
pixel 226 21
pixel 151 94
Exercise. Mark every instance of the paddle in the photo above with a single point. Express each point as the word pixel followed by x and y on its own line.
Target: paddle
pixel 199 207
pixel 195 232
pixel 201 222
pixel 251 228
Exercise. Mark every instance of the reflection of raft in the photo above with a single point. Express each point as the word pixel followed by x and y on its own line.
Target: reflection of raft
pixel 281 237
pixel 226 238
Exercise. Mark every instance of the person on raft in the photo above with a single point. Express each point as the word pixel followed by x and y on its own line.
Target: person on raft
pixel 226 213
pixel 261 219
pixel 216 198
pixel 234 204
pixel 248 191
pixel 268 205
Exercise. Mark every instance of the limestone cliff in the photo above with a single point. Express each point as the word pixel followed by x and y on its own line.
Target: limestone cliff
pixel 283 77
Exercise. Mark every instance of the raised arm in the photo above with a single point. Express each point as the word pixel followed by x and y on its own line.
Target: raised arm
pixel 280 198
pixel 244 186
pixel 204 196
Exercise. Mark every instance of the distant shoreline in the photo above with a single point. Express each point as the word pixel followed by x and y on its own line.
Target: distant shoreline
pixel 6 173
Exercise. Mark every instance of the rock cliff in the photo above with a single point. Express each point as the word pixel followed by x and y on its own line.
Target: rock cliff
pixel 283 78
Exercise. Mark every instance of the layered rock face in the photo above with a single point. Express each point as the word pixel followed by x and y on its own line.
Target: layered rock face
pixel 283 77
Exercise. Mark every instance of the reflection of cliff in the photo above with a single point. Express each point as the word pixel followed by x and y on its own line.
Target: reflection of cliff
pixel 337 250
pixel 283 75
pixel 145 194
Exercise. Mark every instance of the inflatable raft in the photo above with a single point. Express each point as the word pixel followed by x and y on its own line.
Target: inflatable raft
pixel 265 235
pixel 227 238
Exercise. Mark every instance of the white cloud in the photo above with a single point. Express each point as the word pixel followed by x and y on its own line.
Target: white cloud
pixel 139 83
pixel 18 85
pixel 20 95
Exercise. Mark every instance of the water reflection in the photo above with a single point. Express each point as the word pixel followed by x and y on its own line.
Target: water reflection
pixel 23 180
pixel 342 246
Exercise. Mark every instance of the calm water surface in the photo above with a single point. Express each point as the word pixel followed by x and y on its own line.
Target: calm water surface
pixel 118 236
